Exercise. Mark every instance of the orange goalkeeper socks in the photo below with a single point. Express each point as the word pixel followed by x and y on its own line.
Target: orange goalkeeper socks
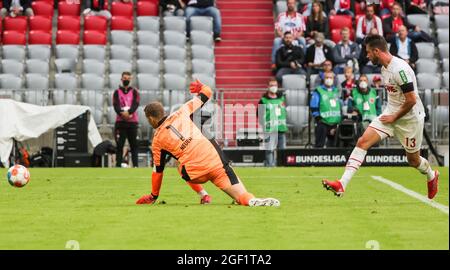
pixel 245 198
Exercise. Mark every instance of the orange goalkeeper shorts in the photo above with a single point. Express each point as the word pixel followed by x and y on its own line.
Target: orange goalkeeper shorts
pixel 223 178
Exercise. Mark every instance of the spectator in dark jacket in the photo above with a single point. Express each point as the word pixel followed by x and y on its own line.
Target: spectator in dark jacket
pixel 317 22
pixel 416 6
pixel 317 54
pixel 404 47
pixel 345 53
pixel 172 7
pixel 16 8
pixel 366 66
pixel 204 8
pixel 289 58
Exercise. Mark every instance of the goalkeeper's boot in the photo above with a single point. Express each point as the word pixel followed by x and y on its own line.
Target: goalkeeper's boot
pixel 334 186
pixel 264 202
pixel 205 199
pixel 433 185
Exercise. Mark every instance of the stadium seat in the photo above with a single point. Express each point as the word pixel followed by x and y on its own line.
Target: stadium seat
pixel 67 37
pixel 94 38
pixel 340 21
pixel 64 97
pixel 280 7
pixel 10 81
pixel 175 67
pixel 174 98
pixel 15 52
pixel 175 38
pixel 42 8
pixel 294 82
pixel 94 52
pixel 147 97
pixel 428 81
pixel 421 20
pixel 148 38
pixel 39 98
pixel 202 52
pixel 96 23
pixel 175 23
pixel 148 82
pixel 312 81
pixel 122 23
pixel 207 79
pixel 203 66
pixel 445 80
pixel 145 8
pixel 121 52
pixel 66 81
pixel 443 50
pixel 148 52
pixel 71 23
pixel 94 66
pixel 202 38
pixel 174 52
pixel 119 66
pixel 40 37
pixel 66 8
pixel 174 82
pixel 296 98
pixel 119 37
pixel 12 94
pixel 64 65
pixel 443 35
pixel 92 81
pixel 148 23
pixel 11 66
pixel 114 80
pixel 40 23
pixel 202 23
pixel 37 66
pixel 426 66
pixel 442 113
pixel 340 78
pixel 426 50
pixel 92 98
pixel 445 64
pixel 146 66
pixel 297 116
pixel 122 9
pixel 441 21
pixel 17 24
pixel 67 51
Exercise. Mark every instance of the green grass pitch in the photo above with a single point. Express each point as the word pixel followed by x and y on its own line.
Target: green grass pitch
pixel 96 207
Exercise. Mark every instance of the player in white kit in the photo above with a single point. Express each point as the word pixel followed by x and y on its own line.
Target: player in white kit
pixel 402 118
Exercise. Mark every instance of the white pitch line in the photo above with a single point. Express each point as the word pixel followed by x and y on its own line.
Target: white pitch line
pixel 413 194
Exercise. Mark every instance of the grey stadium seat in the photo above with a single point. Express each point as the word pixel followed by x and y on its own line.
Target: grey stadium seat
pixel 37 66
pixel 281 7
pixel 121 52
pixel 92 98
pixel 206 79
pixel 67 51
pixel 148 52
pixel 36 81
pixel 94 52
pixel 148 82
pixel 175 23
pixel 42 52
pixel 174 82
pixel 445 80
pixel 312 81
pixel 145 66
pixel 202 52
pixel 202 38
pixel 340 78
pixel 426 66
pixel 175 67
pixel 421 20
pixel 10 81
pixel 11 94
pixel 97 114
pixel 445 64
pixel 148 23
pixel 441 117
pixel 174 38
pixel 426 50
pixel 441 21
pixel 93 66
pixel 92 81
pixel 443 50
pixel 13 52
pixel 148 96
pixel 173 98
pixel 147 38
pixel 11 66
pixel 202 23
pixel 174 52
pixel 119 66
pixel 296 98
pixel 65 65
pixel 114 80
pixel 64 97
pixel 203 66
pixel 428 81
pixel 294 82
pixel 297 116
pixel 66 81
pixel 119 37
pixel 36 97
pixel 442 35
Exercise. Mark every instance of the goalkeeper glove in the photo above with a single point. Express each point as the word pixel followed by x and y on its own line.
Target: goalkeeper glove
pixel 195 87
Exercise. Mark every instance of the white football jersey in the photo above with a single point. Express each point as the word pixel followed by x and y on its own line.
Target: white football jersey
pixel 395 75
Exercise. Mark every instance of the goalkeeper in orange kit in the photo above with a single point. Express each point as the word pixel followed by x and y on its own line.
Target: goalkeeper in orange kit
pixel 200 159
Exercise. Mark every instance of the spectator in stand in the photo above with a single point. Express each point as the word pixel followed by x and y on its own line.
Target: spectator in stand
pixel 377 82
pixel 204 8
pixel 291 21
pixel 325 107
pixel 16 8
pixel 343 7
pixel 125 102
pixel 327 67
pixel 273 121
pixel 317 54
pixel 405 48
pixel 345 53
pixel 416 7
pixel 366 66
pixel 316 23
pixel 393 23
pixel 289 58
pixel 348 84
pixel 367 22
pixel 172 7
pixel 97 8
pixel 386 7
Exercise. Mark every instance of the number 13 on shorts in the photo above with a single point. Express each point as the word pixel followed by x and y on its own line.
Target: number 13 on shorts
pixel 410 142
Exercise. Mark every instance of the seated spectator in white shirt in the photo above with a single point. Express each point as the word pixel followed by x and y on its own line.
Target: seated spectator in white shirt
pixel 345 53
pixel 367 22
pixel 404 47
pixel 16 8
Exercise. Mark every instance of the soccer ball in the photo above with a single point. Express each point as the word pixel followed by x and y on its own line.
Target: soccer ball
pixel 18 176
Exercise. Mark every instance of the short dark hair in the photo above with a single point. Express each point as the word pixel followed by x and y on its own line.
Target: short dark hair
pixel 371 6
pixel 287 33
pixel 272 79
pixel 376 42
pixel 126 73
pixel 397 4
pixel 154 109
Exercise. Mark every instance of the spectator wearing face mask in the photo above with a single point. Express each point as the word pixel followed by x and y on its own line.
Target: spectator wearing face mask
pixel 289 58
pixel 272 117
pixel 326 109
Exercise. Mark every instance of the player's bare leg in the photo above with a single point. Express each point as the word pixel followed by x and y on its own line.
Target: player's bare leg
pixel 240 194
pixel 366 141
pixel 422 165
pixel 204 196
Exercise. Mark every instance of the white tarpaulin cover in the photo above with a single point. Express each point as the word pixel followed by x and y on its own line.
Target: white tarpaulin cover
pixel 22 121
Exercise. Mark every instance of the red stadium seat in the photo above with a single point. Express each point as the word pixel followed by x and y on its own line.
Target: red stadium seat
pixel 67 37
pixel 68 9
pixel 122 23
pixel 14 38
pixel 122 9
pixel 336 35
pixel 358 9
pixel 48 1
pixel 96 23
pixel 147 8
pixel 40 37
pixel 152 1
pixel 42 8
pixel 358 16
pixel 18 24
pixel 42 23
pixel 340 21
pixel 94 38
pixel 69 23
